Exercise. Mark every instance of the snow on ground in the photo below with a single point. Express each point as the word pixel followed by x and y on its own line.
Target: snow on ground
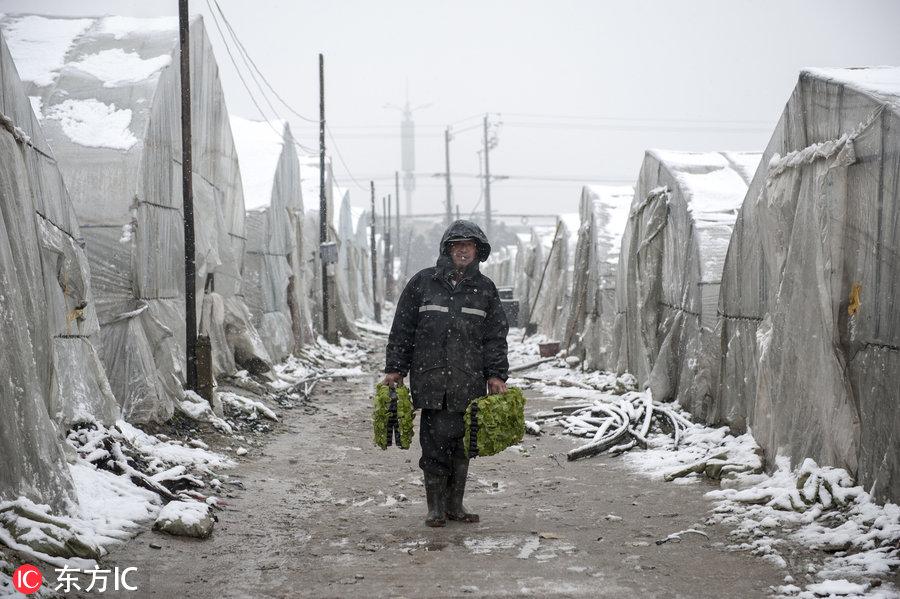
pixel 170 453
pixel 116 67
pixel 94 124
pixel 111 506
pixel 250 407
pixel 127 478
pixel 848 543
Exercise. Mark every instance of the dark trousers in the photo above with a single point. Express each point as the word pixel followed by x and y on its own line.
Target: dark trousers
pixel 441 436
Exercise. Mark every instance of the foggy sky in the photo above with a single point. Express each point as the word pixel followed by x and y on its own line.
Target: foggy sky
pixel 582 87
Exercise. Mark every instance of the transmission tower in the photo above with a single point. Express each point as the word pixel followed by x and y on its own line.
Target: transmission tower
pixel 408 147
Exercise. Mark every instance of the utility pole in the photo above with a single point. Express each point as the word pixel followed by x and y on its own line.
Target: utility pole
pixel 187 196
pixel 388 256
pixel 487 180
pixel 323 211
pixel 388 259
pixel 374 259
pixel 397 212
pixel 449 207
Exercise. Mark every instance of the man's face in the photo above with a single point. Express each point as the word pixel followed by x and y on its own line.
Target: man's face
pixel 463 253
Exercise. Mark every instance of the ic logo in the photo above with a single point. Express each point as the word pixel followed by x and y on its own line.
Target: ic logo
pixel 27 579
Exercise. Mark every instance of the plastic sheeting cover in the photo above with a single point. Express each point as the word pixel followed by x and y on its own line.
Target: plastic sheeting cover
pixel 670 265
pixel 275 278
pixel 48 323
pixel 111 110
pixel 811 326
pixel 592 310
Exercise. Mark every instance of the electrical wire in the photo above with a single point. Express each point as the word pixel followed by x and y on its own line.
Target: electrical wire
pixel 263 77
pixel 341 158
pixel 636 126
pixel 246 57
pixel 636 120
pixel 238 71
pixel 253 99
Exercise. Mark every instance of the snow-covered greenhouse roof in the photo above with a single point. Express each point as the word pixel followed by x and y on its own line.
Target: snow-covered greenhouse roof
pixel 713 183
pixel 94 83
pixel 259 145
pixel 713 186
pixel 882 83
pixel 615 203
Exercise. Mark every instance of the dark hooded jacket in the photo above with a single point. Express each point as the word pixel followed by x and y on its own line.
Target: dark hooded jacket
pixel 449 339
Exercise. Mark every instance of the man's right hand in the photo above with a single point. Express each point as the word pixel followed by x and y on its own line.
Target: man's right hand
pixel 392 379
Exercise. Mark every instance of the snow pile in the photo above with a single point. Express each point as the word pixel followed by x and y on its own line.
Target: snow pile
pixel 34 532
pixel 347 353
pixel 122 475
pixel 94 124
pixel 39 45
pixel 185 518
pixel 162 454
pixel 197 408
pixel 116 67
pixel 112 506
pixel 820 508
pixel 250 408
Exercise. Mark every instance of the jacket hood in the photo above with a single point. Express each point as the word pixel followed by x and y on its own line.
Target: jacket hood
pixel 466 229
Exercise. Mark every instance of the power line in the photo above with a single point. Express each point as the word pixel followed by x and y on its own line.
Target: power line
pixel 238 71
pixel 464 129
pixel 549 178
pixel 636 126
pixel 253 99
pixel 468 118
pixel 635 120
pixel 263 77
pixel 247 58
pixel 341 158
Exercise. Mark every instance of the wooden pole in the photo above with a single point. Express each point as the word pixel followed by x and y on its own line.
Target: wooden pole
pixel 487 182
pixel 374 258
pixel 187 196
pixel 323 202
pixel 397 219
pixel 388 255
pixel 449 206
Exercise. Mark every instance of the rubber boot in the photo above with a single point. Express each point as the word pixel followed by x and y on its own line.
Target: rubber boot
pixel 456 488
pixel 436 496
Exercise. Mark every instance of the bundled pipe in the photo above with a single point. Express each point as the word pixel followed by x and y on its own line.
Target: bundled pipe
pixel 618 425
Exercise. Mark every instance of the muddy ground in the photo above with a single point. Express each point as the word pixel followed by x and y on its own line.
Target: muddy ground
pixel 323 513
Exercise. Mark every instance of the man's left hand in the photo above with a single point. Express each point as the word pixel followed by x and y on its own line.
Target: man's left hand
pixel 496 385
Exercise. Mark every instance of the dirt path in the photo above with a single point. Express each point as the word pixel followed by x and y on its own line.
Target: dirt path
pixel 325 514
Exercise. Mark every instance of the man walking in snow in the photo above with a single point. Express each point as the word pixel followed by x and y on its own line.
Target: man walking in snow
pixel 449 335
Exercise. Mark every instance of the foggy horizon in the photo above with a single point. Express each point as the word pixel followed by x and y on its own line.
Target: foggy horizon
pixel 582 89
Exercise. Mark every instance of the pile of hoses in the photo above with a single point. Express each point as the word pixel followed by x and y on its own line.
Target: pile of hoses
pixel 617 426
pixel 494 422
pixel 392 416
